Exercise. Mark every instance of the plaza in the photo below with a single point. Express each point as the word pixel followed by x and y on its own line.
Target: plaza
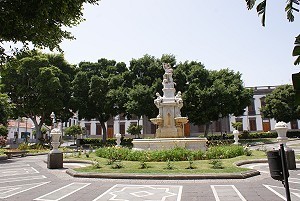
pixel 27 178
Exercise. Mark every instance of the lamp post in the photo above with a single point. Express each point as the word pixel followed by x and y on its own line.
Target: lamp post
pixel 55 157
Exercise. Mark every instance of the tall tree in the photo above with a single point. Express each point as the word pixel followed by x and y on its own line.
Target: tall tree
pixel 280 104
pixel 38 84
pixel 210 94
pixel 40 22
pixel 146 75
pixel 94 90
pixel 5 108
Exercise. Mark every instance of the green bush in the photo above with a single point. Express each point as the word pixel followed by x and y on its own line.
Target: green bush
pixel 3 131
pixel 221 152
pixel 175 154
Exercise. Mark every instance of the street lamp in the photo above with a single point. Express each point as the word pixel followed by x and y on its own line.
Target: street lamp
pixel 55 157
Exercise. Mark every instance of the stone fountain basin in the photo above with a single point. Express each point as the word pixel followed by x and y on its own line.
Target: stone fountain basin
pixel 169 143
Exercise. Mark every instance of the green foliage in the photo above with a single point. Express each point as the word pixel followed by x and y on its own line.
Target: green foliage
pixel 23 146
pixel 134 129
pixel 216 164
pixel 38 84
pixel 222 152
pixel 281 104
pixel 96 164
pixel 73 130
pixel 191 163
pixel 210 94
pixel 3 131
pixel 175 154
pixel 2 141
pixel 237 125
pixel 5 108
pixel 169 166
pixel 117 165
pixel 40 22
pixel 248 152
pixel 95 88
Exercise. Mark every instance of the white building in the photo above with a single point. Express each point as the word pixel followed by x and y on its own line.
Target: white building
pixel 21 128
pixel 252 119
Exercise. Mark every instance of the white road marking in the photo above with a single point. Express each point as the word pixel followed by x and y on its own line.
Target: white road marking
pixel 22 178
pixel 18 171
pixel 294 180
pixel 225 192
pixel 9 191
pixel 292 191
pixel 125 192
pixel 15 165
pixel 63 192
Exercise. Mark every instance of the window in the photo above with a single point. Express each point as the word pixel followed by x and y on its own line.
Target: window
pixel 153 128
pixel 252 124
pixel 251 108
pixel 88 128
pixel 294 124
pixel 262 101
pixel 122 129
pixel 98 129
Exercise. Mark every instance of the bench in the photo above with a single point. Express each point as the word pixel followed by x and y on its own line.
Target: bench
pixel 15 153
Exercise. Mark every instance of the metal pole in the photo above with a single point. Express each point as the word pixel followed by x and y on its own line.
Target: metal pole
pixel 285 173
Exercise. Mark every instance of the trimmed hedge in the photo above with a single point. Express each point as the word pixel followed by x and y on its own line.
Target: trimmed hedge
pixel 99 142
pixel 247 135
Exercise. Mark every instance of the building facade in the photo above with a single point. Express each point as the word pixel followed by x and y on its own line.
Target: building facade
pixel 252 119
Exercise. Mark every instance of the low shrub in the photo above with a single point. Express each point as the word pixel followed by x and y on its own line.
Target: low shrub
pixel 175 154
pixel 216 164
pixel 224 152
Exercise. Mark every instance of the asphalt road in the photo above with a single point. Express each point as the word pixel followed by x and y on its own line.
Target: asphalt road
pixel 25 179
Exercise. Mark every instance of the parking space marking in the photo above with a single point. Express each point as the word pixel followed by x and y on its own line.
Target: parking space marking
pixel 7 180
pixel 9 191
pixel 63 192
pixel 295 193
pixel 123 192
pixel 226 192
pixel 9 166
pixel 18 171
pixel 294 180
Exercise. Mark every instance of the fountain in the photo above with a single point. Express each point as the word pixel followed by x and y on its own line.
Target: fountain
pixel 170 123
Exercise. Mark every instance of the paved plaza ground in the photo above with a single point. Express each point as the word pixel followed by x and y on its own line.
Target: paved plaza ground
pixel 28 178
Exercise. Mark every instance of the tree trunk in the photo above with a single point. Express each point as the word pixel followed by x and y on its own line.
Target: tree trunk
pixel 104 133
pixel 206 129
pixel 38 129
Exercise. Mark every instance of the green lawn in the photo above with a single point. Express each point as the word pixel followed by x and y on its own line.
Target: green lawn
pixel 179 167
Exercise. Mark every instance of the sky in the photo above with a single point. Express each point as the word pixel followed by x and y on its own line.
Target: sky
pixel 219 34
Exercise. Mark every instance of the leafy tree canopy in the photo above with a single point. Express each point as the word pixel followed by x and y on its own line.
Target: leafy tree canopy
pixel 95 90
pixel 5 108
pixel 280 104
pixel 40 22
pixel 211 94
pixel 37 85
pixel 73 130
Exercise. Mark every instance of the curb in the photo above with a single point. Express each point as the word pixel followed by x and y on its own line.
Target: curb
pixel 2 158
pixel 242 175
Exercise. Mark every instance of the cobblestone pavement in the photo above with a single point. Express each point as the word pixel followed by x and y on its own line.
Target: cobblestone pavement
pixel 28 178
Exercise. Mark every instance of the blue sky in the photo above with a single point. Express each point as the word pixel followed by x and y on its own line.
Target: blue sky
pixel 220 34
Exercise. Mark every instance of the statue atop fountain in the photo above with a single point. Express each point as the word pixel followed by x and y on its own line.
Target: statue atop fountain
pixel 170 123
pixel 169 120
